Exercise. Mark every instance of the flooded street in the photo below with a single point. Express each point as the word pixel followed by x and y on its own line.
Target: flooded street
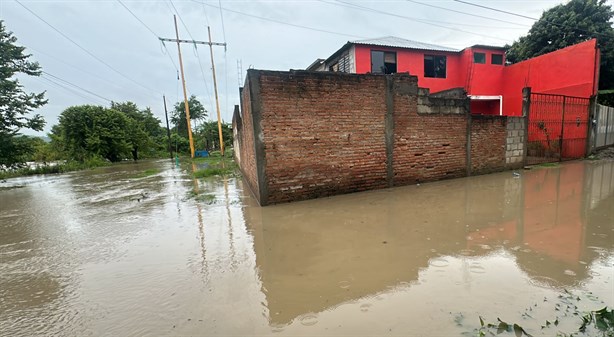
pixel 109 252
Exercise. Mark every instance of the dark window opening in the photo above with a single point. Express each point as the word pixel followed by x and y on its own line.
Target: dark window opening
pixel 435 66
pixel 496 59
pixel 479 58
pixel 342 64
pixel 383 62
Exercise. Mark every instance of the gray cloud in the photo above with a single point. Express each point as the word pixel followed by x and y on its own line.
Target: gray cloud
pixel 110 32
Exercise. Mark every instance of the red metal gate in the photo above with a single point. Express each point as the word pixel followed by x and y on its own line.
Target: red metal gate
pixel 558 128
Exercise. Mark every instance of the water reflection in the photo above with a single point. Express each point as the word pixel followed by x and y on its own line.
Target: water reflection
pixel 316 255
pixel 110 252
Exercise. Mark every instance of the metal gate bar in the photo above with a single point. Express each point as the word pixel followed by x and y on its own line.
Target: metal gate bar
pixel 557 128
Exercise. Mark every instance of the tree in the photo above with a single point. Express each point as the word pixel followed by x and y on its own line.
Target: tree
pixel 88 131
pixel 197 113
pixel 15 103
pixel 568 24
pixel 208 137
pixel 143 128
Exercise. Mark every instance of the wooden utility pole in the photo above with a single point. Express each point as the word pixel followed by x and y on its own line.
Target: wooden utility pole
pixel 217 101
pixel 185 95
pixel 168 129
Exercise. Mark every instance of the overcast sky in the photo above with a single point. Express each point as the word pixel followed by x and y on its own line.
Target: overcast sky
pixel 128 62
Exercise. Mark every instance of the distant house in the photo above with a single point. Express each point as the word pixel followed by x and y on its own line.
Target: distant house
pixel 493 87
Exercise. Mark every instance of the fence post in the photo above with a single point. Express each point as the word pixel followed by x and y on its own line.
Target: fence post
pixel 562 130
pixel 526 110
pixel 591 132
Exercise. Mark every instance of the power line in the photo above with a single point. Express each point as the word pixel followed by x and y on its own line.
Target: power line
pixel 136 17
pixel 528 17
pixel 82 48
pixel 195 47
pixel 69 89
pixel 223 28
pixel 496 10
pixel 279 22
pixel 431 21
pixel 74 67
pixel 465 13
pixel 152 32
pixel 354 6
pixel 180 19
pixel 76 86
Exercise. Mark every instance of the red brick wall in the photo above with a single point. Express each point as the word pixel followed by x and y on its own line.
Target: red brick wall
pixel 329 133
pixel 246 144
pixel 426 146
pixel 488 143
pixel 323 134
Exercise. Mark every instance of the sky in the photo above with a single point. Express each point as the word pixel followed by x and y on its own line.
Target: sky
pixel 94 52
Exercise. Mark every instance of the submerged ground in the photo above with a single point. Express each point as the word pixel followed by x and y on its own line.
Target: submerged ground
pixel 114 251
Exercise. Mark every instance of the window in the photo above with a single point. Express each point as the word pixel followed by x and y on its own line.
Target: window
pixel 435 66
pixel 479 58
pixel 383 62
pixel 496 59
pixel 342 64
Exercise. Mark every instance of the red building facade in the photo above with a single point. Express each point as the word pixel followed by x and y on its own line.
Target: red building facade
pixel 494 87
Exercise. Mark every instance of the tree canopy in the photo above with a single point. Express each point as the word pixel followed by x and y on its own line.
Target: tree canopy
pixel 120 132
pixel 197 113
pixel 16 104
pixel 568 24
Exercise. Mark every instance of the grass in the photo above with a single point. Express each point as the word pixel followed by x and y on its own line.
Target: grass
pixel 147 173
pixel 216 165
pixel 549 165
pixel 68 166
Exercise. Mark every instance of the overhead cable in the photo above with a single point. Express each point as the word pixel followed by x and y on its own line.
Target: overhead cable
pixel 355 6
pixel 279 22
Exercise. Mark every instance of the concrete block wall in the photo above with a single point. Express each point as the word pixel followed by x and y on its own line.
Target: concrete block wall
pixel 312 134
pixel 515 145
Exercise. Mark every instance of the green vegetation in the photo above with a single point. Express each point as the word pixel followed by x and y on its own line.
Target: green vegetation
pixel 147 173
pixel 591 323
pixel 567 24
pixel 216 165
pixel 15 103
pixel 197 113
pixel 120 132
pixel 90 135
pixel 64 167
pixel 549 165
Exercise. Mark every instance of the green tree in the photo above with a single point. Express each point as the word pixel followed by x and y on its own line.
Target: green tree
pixel 15 103
pixel 568 24
pixel 143 129
pixel 88 131
pixel 207 136
pixel 197 113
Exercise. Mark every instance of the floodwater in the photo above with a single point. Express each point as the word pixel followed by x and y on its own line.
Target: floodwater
pixel 111 253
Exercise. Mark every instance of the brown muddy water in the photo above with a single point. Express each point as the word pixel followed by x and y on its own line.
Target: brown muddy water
pixel 111 253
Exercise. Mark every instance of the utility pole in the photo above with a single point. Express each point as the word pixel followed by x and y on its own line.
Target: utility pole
pixel 168 129
pixel 217 101
pixel 185 95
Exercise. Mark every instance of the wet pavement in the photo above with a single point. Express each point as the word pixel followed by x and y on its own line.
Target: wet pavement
pixel 109 252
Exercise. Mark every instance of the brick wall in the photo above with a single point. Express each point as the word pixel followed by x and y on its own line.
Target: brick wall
pixel 247 155
pixel 488 140
pixel 312 134
pixel 429 135
pixel 323 134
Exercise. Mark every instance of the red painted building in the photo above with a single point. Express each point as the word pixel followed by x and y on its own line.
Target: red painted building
pixel 493 86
